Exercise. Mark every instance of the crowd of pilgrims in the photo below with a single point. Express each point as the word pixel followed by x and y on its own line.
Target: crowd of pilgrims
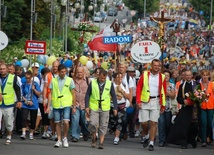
pixel 173 124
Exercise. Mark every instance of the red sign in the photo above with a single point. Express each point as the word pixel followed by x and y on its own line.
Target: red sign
pixel 35 47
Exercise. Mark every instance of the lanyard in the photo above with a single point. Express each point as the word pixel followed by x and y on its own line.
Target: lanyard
pixel 4 80
pixel 28 94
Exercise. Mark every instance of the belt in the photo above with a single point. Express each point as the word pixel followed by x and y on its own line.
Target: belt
pixel 154 96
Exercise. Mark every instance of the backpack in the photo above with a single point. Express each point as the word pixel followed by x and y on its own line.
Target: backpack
pixel 127 78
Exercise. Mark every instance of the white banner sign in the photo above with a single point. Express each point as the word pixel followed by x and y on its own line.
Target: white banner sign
pixel 145 51
pixel 3 40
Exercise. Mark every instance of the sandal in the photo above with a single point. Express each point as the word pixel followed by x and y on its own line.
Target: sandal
pixel 8 141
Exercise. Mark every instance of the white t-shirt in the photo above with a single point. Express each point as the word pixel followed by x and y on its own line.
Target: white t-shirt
pixel 154 84
pixel 123 99
pixel 126 84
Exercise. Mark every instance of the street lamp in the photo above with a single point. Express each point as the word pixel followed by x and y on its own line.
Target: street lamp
pixel 90 7
pixel 211 13
pixel 132 12
pixel 82 7
pixel 144 9
pixel 65 3
pixel 77 5
pixel 73 10
pixel 51 23
pixel 4 11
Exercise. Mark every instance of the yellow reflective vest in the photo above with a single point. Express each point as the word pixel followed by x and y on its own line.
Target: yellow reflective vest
pixel 95 96
pixel 8 93
pixel 145 93
pixel 64 98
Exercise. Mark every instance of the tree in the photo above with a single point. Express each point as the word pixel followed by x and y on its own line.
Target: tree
pixel 138 5
pixel 203 5
pixel 13 22
pixel 17 23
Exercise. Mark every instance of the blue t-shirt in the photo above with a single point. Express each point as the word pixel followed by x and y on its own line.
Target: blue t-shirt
pixel 27 92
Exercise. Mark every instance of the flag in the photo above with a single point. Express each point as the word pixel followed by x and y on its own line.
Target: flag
pixel 97 42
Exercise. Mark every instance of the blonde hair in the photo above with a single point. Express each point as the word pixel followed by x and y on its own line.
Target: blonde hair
pixel 205 72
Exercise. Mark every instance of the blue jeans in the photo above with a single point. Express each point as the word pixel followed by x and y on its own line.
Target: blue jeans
pixel 164 122
pixel 78 119
pixel 61 113
pixel 206 124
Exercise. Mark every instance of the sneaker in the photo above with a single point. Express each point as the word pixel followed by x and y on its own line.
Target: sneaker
pixel 100 146
pixel 151 147
pixel 203 145
pixel 74 139
pixel 54 137
pixel 8 141
pixel 58 144
pixel 81 135
pixel 125 136
pixel 45 135
pixel 137 134
pixel 23 136
pixel 93 143
pixel 31 137
pixel 116 141
pixel 65 142
pixel 85 137
pixel 36 132
pixel 145 142
pixel 142 140
pixel 161 144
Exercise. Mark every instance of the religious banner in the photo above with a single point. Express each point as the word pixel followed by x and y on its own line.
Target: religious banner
pixel 145 51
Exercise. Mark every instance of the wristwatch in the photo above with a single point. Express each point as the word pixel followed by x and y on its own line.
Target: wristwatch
pixel 73 106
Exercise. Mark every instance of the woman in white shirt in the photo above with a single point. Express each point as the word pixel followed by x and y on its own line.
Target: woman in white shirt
pixel 123 96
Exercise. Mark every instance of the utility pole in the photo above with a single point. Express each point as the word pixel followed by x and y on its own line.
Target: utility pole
pixel 144 14
pixel 211 13
pixel 51 27
pixel 3 12
pixel 0 14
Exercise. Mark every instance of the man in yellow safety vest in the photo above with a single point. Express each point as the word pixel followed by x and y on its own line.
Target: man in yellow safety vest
pixel 151 99
pixel 98 102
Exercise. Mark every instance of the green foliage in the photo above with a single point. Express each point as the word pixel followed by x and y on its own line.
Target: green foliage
pixel 138 5
pixel 17 27
pixel 203 5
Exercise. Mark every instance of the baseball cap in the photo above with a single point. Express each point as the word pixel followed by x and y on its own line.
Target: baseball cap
pixel 15 58
pixel 130 69
pixel 35 64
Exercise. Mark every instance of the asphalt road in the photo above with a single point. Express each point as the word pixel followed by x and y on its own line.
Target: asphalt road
pixel 121 15
pixel 131 146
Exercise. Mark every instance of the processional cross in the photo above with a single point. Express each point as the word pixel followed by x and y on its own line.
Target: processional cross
pixel 116 28
pixel 81 39
pixel 161 21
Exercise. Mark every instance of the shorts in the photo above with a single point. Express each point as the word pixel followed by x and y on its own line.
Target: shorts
pixel 8 117
pixel 61 114
pixel 149 115
pixel 150 111
pixel 99 119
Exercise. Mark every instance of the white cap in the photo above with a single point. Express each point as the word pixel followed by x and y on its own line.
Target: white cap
pixel 15 58
pixel 130 69
pixel 36 65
